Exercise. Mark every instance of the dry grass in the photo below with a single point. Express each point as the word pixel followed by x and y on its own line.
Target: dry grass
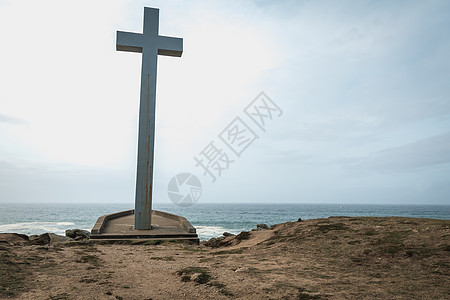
pixel 334 258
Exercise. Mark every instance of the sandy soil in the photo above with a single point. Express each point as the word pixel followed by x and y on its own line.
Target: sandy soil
pixel 334 258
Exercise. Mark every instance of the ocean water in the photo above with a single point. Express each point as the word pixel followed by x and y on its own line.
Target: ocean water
pixel 211 220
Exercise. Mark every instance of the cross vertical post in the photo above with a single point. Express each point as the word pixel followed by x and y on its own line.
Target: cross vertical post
pixel 150 44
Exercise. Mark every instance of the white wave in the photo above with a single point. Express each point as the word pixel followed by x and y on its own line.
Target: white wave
pixel 65 223
pixel 207 232
pixel 36 227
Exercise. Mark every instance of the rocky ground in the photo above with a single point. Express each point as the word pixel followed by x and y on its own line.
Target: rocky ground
pixel 334 258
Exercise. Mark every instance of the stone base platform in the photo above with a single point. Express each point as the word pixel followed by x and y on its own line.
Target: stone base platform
pixel 165 226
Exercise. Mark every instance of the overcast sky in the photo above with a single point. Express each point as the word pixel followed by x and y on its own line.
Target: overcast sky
pixel 363 86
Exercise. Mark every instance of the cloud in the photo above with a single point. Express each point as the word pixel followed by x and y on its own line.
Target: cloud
pixel 387 61
pixel 25 181
pixel 410 157
pixel 12 120
pixel 351 77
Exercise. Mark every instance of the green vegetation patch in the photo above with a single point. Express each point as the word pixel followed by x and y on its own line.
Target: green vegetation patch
pixel 421 251
pixel 198 275
pixel 306 296
pixel 13 273
pixel 329 227
pixel 391 243
pixel 166 258
pixel 91 259
pixel 394 237
pixel 356 242
pixel 279 236
pixel 369 232
pixel 222 288
pixel 83 248
pixel 192 270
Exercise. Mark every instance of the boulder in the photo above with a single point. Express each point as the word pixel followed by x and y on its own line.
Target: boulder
pixel 262 227
pixel 244 235
pixel 78 234
pixel 55 238
pixel 227 234
pixel 48 238
pixel 213 242
pixel 223 241
pixel 299 220
pixel 71 233
pixel 13 238
pixel 218 242
pixel 43 239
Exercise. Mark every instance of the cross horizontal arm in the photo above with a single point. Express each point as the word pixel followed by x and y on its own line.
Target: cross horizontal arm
pixel 129 41
pixel 170 46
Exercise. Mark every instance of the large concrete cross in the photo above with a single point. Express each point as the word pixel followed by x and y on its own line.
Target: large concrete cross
pixel 150 44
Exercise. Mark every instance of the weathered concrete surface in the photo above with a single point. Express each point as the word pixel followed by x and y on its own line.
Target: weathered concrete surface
pixel 165 226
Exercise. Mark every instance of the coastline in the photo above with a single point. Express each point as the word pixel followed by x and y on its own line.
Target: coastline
pixel 329 258
pixel 210 219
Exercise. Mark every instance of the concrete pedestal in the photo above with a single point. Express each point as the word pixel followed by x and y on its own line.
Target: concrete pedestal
pixel 165 226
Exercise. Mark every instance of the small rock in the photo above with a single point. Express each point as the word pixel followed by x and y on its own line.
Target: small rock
pixel 78 233
pixel 243 269
pixel 262 227
pixel 200 278
pixel 244 235
pixel 299 220
pixel 227 234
